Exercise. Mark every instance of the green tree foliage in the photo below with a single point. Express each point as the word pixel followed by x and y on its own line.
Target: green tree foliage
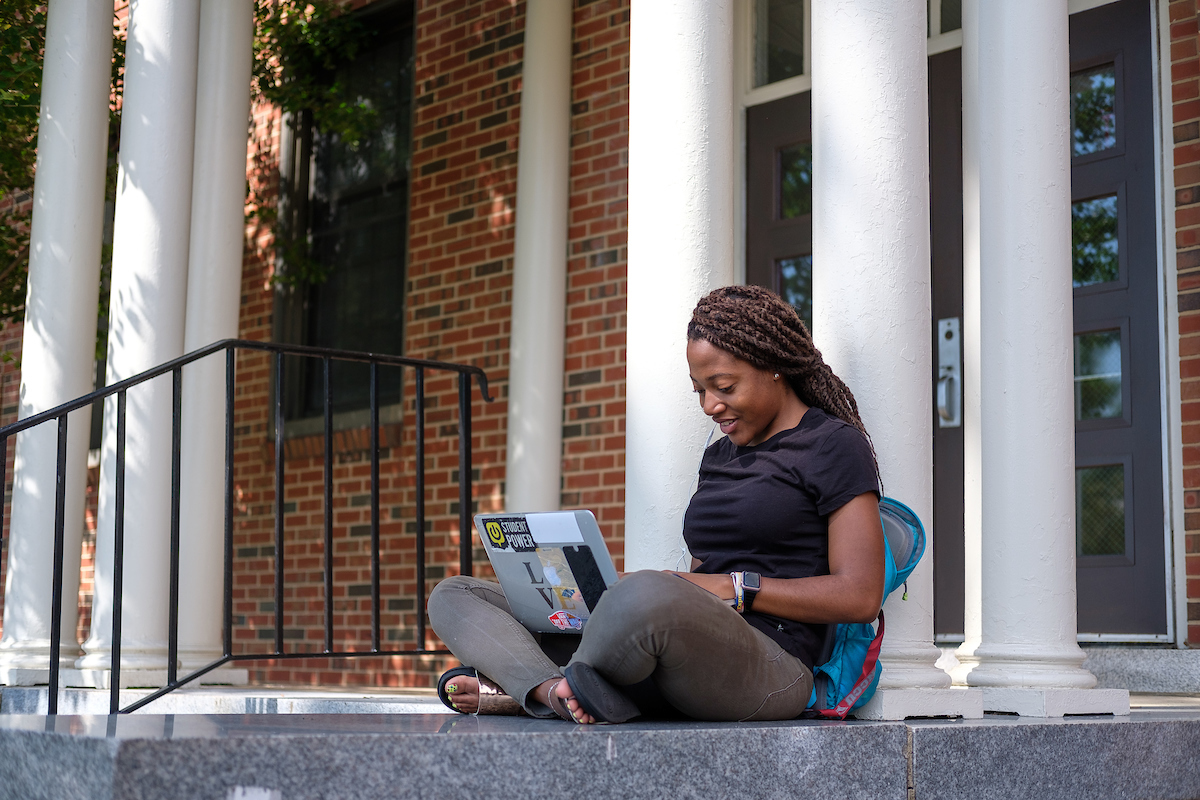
pixel 300 47
pixel 22 42
pixel 22 39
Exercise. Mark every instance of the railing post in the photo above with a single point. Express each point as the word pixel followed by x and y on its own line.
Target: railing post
pixel 374 506
pixel 3 479
pixel 328 395
pixel 173 602
pixel 279 492
pixel 420 458
pixel 114 689
pixel 230 379
pixel 60 499
pixel 465 528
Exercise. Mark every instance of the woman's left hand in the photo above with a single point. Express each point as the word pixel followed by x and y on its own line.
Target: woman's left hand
pixel 721 584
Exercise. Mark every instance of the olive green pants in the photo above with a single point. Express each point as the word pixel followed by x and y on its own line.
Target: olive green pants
pixel 699 654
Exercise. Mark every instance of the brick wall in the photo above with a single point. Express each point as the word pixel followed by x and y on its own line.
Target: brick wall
pixel 594 430
pixel 458 300
pixel 1185 97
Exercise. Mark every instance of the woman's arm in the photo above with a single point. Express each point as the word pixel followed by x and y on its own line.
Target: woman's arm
pixel 851 592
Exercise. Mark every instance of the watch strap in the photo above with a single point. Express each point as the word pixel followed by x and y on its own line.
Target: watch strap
pixel 751 583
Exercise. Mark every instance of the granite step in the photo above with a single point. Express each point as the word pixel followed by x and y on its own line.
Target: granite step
pixel 1149 754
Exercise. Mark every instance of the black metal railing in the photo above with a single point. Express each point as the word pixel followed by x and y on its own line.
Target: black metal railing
pixel 278 351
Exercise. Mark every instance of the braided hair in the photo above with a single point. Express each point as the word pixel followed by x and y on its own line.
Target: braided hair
pixel 760 327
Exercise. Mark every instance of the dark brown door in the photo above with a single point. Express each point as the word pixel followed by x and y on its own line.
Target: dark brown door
pixel 946 243
pixel 1121 559
pixel 1119 491
pixel 1118 428
pixel 779 199
pixel 779 256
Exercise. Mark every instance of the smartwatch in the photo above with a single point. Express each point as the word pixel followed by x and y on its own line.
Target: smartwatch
pixel 750 585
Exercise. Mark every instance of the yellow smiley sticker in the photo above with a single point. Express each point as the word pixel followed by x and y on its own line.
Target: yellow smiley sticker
pixel 495 534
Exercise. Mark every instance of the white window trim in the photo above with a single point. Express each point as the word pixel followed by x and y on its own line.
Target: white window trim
pixel 944 42
pixel 1075 6
pixel 743 54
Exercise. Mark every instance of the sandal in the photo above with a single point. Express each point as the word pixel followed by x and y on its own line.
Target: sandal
pixel 597 696
pixel 559 706
pixel 492 699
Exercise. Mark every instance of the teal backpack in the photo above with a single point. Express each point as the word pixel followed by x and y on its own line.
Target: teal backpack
pixel 848 670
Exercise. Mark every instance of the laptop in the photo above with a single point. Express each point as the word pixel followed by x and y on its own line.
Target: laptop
pixel 553 566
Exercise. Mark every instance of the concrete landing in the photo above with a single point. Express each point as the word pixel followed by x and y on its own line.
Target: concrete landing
pixel 230 700
pixel 1149 754
pixel 1143 669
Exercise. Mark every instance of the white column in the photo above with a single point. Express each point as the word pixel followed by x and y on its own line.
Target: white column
pixel 681 189
pixel 214 281
pixel 58 356
pixel 149 282
pixel 533 478
pixel 972 391
pixel 871 312
pixel 1023 648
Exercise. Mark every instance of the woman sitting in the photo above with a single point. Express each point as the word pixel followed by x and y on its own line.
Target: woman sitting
pixel 787 502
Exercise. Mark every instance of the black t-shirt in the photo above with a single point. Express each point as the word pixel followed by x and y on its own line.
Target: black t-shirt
pixel 766 508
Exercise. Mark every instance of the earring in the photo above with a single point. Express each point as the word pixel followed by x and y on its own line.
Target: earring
pixel 776 376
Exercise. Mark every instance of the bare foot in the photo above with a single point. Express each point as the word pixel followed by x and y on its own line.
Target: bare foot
pixel 563 691
pixel 463 692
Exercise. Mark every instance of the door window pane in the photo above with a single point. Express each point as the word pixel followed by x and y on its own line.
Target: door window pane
pixel 1094 251
pixel 1093 110
pixel 795 284
pixel 1100 510
pixel 778 40
pixel 1098 375
pixel 951 15
pixel 795 181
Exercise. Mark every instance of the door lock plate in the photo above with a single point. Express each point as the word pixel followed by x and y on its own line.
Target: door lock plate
pixel 948 392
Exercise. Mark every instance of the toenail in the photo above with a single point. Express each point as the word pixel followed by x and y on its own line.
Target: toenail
pixel 452 688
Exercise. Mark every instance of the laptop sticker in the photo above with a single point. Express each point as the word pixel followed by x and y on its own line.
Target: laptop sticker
pixel 556 568
pixel 510 533
pixel 565 621
pixel 554 528
pixel 586 573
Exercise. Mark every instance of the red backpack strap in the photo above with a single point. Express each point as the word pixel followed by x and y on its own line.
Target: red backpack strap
pixel 864 681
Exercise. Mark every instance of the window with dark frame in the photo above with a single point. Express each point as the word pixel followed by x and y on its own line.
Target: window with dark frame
pixel 355 212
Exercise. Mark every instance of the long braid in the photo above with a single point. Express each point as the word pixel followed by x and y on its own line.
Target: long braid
pixel 759 327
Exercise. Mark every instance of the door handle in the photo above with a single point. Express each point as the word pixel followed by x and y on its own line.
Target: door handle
pixel 949 382
pixel 946 391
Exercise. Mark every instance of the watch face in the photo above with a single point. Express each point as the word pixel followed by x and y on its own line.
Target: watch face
pixel 750 580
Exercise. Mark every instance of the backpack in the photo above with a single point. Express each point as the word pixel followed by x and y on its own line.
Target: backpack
pixel 848 670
